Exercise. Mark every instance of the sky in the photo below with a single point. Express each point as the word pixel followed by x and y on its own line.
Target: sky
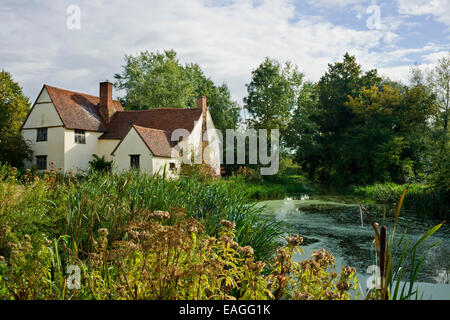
pixel 76 44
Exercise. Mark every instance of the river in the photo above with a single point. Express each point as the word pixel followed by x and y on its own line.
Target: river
pixel 338 228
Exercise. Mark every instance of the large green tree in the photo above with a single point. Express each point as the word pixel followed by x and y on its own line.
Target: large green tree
pixel 14 106
pixel 439 83
pixel 352 127
pixel 154 80
pixel 326 158
pixel 272 94
pixel 159 80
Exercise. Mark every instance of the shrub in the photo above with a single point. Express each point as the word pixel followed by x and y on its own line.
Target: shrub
pixel 100 164
pixel 203 172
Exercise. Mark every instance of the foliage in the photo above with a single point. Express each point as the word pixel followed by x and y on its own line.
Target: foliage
pixel 154 80
pixel 352 128
pixel 164 255
pixel 159 80
pixel 272 94
pixel 203 171
pixel 438 83
pixel 249 174
pixel 14 106
pixel 14 150
pixel 65 205
pixel 100 164
pixel 423 200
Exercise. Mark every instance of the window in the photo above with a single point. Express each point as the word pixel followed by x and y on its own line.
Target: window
pixel 134 161
pixel 172 166
pixel 41 134
pixel 41 162
pixel 80 136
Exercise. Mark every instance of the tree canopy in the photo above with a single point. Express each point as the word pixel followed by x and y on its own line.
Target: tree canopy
pixel 14 107
pixel 159 80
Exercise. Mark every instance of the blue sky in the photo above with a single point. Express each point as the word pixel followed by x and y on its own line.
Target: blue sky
pixel 226 38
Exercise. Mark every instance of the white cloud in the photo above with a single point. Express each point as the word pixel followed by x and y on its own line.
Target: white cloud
pixel 227 40
pixel 438 8
pixel 335 3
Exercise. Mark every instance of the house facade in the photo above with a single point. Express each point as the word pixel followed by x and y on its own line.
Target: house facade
pixel 67 128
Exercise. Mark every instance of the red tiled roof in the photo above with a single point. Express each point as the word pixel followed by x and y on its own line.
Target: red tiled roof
pixel 166 119
pixel 158 141
pixel 78 110
pixel 155 126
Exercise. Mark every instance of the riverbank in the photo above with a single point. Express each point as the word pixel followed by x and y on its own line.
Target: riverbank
pixel 421 200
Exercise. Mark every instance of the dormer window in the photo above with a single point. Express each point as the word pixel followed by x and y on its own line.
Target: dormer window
pixel 80 136
pixel 41 134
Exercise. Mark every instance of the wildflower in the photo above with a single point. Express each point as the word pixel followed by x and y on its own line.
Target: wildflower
pixel 133 234
pixel 257 266
pixel 228 224
pixel 348 271
pixel 343 286
pixel 160 214
pixel 246 251
pixel 234 244
pixel 226 239
pixel 294 241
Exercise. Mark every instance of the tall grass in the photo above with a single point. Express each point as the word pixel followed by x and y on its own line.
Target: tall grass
pixel 422 200
pixel 79 208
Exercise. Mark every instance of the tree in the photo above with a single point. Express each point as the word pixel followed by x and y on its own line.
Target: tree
pixel 302 134
pixel 439 82
pixel 154 80
pixel 224 110
pixel 327 156
pixel 353 127
pixel 390 131
pixel 159 80
pixel 272 94
pixel 14 107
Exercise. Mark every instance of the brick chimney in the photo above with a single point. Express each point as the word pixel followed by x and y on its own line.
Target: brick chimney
pixel 201 104
pixel 106 106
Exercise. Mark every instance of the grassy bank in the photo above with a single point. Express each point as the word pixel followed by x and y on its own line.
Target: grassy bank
pixel 423 200
pixel 270 188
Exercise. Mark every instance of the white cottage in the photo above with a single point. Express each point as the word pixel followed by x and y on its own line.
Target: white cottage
pixel 68 128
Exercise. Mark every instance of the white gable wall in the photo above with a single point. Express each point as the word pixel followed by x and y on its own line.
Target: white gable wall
pixel 42 115
pixel 132 144
pixel 212 152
